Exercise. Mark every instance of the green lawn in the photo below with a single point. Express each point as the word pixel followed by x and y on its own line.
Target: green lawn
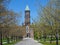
pixel 48 43
pixel 12 43
pixel 9 43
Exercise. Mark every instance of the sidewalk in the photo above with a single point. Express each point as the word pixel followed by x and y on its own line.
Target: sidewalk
pixel 28 41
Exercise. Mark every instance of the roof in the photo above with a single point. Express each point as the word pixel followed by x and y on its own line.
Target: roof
pixel 27 8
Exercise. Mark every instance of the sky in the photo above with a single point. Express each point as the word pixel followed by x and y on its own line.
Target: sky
pixel 20 5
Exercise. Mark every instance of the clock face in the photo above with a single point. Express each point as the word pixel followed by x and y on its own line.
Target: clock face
pixel 27 13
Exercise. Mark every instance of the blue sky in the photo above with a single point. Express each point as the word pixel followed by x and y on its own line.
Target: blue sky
pixel 19 6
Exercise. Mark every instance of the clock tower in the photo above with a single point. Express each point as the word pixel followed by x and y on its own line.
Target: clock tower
pixel 27 16
pixel 27 21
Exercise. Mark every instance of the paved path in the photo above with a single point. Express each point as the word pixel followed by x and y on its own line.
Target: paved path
pixel 28 41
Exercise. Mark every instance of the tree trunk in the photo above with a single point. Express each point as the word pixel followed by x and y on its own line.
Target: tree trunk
pixel 7 39
pixel 1 38
pixel 51 39
pixel 56 38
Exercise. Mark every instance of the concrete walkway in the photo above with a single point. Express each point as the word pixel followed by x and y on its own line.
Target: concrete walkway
pixel 28 41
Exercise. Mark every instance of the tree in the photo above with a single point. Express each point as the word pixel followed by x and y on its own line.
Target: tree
pixel 8 19
pixel 3 4
pixel 49 17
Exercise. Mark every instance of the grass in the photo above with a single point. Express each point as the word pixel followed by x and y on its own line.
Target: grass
pixel 48 43
pixel 12 43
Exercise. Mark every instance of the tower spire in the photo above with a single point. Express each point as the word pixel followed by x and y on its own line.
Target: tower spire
pixel 27 7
